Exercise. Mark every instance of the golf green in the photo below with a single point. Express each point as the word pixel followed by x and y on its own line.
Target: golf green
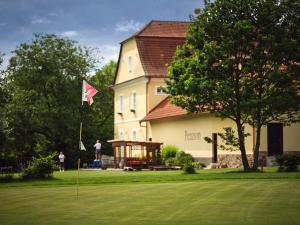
pixel 216 202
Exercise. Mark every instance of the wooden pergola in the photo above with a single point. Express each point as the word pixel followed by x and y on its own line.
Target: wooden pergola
pixel 140 154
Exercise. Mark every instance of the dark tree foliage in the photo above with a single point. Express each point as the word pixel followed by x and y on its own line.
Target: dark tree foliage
pixel 44 84
pixel 3 99
pixel 241 61
pixel 98 119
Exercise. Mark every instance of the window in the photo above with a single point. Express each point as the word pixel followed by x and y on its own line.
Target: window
pixel 229 135
pixel 121 135
pixel 129 64
pixel 159 90
pixel 121 109
pixel 133 135
pixel 133 101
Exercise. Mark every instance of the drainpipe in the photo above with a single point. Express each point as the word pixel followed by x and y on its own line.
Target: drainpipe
pixel 147 102
pixel 253 140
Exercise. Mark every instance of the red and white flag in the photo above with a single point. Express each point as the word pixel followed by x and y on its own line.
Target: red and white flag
pixel 88 92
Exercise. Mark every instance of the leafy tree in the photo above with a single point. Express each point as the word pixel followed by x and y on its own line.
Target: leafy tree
pixel 241 61
pixel 44 82
pixel 2 104
pixel 98 119
pixel 104 104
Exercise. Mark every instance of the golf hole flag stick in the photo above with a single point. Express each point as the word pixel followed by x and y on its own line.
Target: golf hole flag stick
pixel 87 96
pixel 88 92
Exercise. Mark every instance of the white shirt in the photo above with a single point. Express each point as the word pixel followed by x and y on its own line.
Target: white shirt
pixel 61 157
pixel 97 146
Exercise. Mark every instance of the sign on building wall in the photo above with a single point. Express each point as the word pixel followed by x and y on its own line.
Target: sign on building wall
pixel 192 136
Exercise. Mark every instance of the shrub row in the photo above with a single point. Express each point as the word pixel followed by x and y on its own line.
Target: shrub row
pixel 172 156
pixel 288 163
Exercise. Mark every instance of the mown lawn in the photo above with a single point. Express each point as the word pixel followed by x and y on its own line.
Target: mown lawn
pixel 116 198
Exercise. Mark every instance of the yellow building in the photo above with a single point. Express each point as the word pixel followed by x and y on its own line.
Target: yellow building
pixel 143 112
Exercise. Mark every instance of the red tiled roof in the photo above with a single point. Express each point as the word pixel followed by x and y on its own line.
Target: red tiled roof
pixel 168 29
pixel 157 42
pixel 164 110
pixel 176 29
pixel 156 54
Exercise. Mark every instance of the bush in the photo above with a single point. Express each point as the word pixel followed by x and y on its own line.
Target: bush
pixel 6 177
pixel 169 151
pixel 183 158
pixel 288 163
pixel 170 162
pixel 198 165
pixel 188 168
pixel 40 168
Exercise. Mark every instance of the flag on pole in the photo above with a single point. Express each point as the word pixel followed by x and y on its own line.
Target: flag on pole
pixel 88 92
pixel 82 146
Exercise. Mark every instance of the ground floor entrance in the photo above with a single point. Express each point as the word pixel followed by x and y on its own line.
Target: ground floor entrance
pixel 275 139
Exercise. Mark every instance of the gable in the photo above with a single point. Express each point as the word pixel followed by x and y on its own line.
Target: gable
pixel 124 73
pixel 151 50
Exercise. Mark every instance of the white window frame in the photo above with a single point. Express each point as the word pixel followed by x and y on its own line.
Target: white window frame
pixel 133 101
pixel 121 104
pixel 159 93
pixel 130 64
pixel 133 134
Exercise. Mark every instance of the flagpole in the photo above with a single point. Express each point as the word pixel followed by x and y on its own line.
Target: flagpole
pixel 87 95
pixel 80 136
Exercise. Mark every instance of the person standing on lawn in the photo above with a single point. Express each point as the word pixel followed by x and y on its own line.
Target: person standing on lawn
pixel 61 162
pixel 98 150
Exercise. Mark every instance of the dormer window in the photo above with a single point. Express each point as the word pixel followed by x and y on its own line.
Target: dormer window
pixel 129 64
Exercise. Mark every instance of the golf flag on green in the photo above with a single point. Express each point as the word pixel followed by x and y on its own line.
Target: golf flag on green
pixel 88 92
pixel 87 95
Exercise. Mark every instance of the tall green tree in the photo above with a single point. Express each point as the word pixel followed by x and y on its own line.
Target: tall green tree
pixel 241 61
pixel 98 119
pixel 3 98
pixel 44 82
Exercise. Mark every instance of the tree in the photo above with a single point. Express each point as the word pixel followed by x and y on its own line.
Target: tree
pixel 98 119
pixel 44 83
pixel 241 61
pixel 2 104
pixel 104 105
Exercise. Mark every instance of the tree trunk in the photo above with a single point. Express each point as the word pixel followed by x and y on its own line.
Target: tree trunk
pixel 242 147
pixel 256 149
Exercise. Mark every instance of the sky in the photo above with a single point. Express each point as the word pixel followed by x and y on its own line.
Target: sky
pixel 101 24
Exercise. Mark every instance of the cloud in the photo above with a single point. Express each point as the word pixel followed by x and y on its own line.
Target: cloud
pixel 53 14
pixel 108 52
pixel 113 48
pixel 128 25
pixel 2 24
pixel 69 33
pixel 40 20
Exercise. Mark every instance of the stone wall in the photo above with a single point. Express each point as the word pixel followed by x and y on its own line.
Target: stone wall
pixel 233 160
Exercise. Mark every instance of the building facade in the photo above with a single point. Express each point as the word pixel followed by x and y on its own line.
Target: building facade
pixel 143 111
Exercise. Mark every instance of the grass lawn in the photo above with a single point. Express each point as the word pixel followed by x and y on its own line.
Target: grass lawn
pixel 167 197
